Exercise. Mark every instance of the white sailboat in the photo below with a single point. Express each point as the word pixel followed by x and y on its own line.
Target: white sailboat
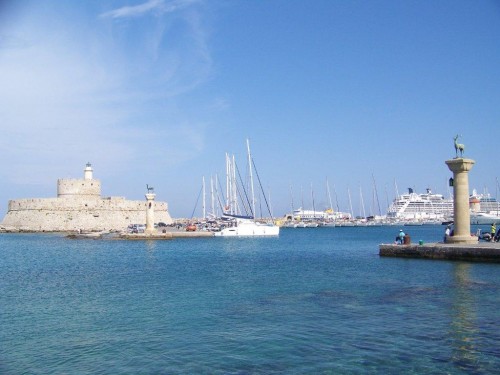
pixel 241 225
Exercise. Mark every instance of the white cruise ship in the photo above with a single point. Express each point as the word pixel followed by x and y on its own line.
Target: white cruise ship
pixel 420 207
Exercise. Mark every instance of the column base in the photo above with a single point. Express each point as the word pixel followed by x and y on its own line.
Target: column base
pixel 462 239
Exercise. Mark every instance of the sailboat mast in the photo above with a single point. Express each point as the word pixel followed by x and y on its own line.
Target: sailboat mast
pixel 301 197
pixel 270 204
pixel 217 195
pixel 212 195
pixel 336 198
pixel 251 176
pixel 328 192
pixel 234 187
pixel 312 198
pixel 228 184
pixel 362 201
pixel 204 200
pixel 350 202
pixel 386 198
pixel 396 189
pixel 376 195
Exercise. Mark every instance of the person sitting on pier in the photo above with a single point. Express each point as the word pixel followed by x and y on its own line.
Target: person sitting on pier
pixel 447 232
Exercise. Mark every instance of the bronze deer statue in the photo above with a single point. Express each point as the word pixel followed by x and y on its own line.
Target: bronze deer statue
pixel 458 147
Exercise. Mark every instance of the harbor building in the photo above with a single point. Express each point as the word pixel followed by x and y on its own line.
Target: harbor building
pixel 79 206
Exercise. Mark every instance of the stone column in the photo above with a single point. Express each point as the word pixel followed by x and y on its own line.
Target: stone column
pixel 150 213
pixel 461 214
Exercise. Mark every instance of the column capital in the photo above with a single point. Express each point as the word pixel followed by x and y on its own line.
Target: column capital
pixel 458 165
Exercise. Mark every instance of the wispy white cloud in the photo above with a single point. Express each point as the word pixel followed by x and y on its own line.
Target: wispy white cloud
pixel 151 6
pixel 70 96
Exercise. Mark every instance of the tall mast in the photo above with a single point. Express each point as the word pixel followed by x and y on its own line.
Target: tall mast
pixel 336 198
pixel 302 197
pixel 350 202
pixel 212 195
pixel 270 204
pixel 362 201
pixel 217 195
pixel 204 200
pixel 251 177
pixel 312 198
pixel 328 192
pixel 234 187
pixel 228 183
pixel 386 198
pixel 376 195
pixel 396 189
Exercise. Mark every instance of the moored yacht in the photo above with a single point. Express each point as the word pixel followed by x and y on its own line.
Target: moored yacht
pixel 239 225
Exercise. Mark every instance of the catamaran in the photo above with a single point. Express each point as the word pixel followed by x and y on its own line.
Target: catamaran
pixel 238 224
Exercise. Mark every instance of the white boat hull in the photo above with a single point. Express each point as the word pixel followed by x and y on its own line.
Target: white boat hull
pixel 249 228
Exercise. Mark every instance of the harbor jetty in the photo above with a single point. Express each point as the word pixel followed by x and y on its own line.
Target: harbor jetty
pixel 479 252
pixel 165 234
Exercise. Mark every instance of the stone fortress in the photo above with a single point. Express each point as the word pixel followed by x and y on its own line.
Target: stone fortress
pixel 79 206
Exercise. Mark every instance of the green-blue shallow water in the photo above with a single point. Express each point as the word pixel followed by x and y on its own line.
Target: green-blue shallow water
pixel 313 301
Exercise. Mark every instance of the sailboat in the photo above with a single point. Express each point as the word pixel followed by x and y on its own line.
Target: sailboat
pixel 243 225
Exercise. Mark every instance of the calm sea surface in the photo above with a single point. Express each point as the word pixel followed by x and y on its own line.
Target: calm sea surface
pixel 313 301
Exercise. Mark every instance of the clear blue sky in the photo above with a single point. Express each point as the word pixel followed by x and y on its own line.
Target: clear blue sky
pixel 156 91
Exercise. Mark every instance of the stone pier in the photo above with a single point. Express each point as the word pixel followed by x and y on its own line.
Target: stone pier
pixel 479 252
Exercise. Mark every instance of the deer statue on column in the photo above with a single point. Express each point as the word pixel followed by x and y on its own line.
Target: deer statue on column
pixel 458 147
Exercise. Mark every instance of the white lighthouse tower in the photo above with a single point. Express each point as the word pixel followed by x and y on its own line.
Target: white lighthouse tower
pixel 87 172
pixel 150 210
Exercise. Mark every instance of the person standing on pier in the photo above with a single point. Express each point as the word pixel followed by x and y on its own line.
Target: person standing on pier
pixel 401 237
pixel 493 231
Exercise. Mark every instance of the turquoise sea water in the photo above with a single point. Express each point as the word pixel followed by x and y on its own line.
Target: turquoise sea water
pixel 313 301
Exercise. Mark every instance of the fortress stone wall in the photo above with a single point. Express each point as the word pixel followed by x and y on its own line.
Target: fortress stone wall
pixel 79 206
pixel 68 188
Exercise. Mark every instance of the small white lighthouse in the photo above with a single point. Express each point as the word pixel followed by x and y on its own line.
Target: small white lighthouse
pixel 87 172
pixel 150 210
